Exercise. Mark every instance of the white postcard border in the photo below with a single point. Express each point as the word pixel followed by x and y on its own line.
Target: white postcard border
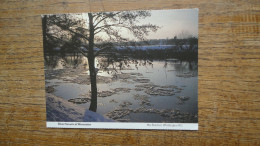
pixel 119 125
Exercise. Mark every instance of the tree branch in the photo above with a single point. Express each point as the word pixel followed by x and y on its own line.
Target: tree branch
pixel 66 28
pixel 82 52
pixel 108 25
pixel 106 18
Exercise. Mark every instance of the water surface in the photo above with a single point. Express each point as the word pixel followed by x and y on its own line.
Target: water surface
pixel 161 73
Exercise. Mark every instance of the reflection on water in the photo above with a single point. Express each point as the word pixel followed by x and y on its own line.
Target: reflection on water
pixel 61 62
pixel 184 75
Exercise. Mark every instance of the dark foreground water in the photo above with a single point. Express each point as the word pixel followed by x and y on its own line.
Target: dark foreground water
pixel 142 99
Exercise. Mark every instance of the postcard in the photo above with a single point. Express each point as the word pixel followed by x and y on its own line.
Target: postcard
pixel 122 69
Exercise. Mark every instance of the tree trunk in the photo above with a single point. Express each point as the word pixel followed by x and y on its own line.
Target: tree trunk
pixel 93 104
pixel 91 61
pixel 44 29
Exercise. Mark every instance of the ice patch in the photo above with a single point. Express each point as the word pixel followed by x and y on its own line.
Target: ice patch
pixel 90 116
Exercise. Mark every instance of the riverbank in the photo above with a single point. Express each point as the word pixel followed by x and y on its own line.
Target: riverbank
pixel 60 110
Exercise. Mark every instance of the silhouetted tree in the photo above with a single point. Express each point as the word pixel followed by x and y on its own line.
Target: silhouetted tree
pixel 94 33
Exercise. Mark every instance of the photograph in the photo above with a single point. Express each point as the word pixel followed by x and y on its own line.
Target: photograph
pixel 122 69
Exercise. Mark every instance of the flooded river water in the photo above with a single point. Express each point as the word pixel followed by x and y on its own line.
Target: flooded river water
pixel 138 93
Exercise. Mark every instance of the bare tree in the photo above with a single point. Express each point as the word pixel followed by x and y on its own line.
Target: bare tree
pixel 96 33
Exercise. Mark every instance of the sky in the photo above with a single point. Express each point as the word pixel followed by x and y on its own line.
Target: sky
pixel 173 22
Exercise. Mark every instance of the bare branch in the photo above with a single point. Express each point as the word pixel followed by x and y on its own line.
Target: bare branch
pixel 66 28
pixel 108 25
pixel 106 17
pixel 82 52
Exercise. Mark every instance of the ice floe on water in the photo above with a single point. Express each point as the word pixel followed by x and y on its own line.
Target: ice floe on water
pixel 144 100
pixel 152 89
pixel 120 113
pixel 128 92
pixel 79 100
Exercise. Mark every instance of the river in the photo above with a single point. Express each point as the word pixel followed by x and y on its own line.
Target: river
pixel 142 86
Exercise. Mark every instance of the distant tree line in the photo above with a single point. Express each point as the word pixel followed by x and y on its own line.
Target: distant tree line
pixel 189 54
pixel 182 49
